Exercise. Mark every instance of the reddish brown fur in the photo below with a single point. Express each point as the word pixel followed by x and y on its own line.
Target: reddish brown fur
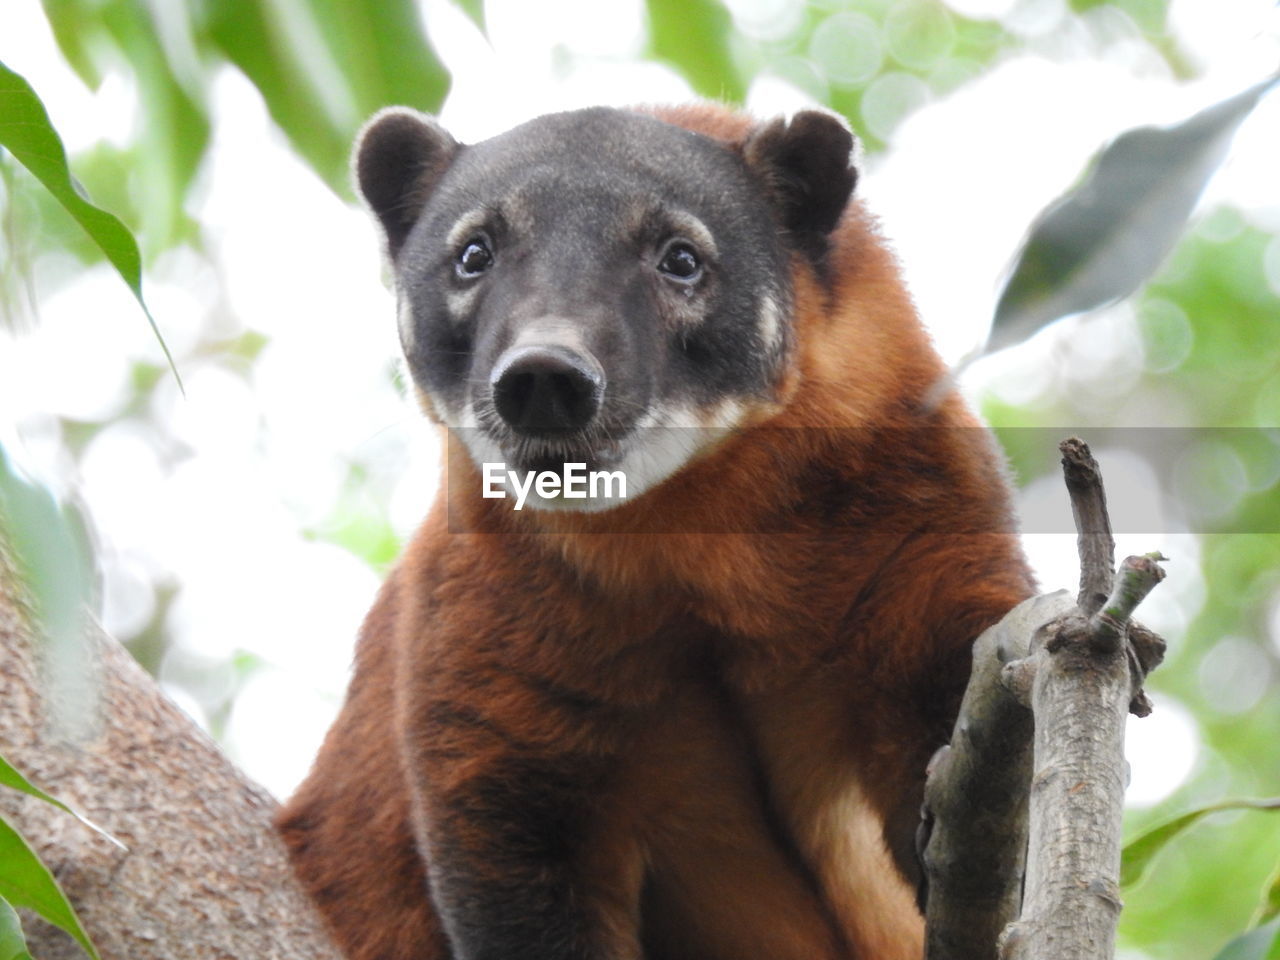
pixel 744 718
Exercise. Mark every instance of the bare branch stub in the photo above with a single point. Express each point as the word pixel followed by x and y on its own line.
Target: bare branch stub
pixel 1089 510
pixel 1096 547
pixel 1138 576
pixel 1111 625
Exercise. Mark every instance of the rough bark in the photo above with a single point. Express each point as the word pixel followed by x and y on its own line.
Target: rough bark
pixel 976 796
pixel 1035 769
pixel 203 876
pixel 1080 697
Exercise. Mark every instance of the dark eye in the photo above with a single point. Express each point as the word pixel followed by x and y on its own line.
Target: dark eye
pixel 680 262
pixel 475 258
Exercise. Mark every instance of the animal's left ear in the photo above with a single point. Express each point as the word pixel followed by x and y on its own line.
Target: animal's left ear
pixel 808 164
pixel 400 156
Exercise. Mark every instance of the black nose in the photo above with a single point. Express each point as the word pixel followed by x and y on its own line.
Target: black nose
pixel 546 390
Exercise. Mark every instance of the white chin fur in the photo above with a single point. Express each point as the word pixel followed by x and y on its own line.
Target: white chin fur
pixel 666 439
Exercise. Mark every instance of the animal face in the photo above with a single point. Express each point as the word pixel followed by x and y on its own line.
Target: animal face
pixel 598 286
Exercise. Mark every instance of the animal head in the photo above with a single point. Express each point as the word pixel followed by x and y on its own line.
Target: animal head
pixel 600 286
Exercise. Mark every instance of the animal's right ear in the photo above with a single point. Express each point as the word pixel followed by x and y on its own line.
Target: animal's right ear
pixel 807 163
pixel 400 156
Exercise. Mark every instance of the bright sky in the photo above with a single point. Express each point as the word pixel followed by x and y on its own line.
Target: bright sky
pixel 256 459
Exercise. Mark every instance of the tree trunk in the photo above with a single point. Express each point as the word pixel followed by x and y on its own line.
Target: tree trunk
pixel 204 874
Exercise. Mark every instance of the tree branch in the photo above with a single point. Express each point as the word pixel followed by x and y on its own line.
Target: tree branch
pixel 1080 697
pixel 1043 715
pixel 1085 678
pixel 204 876
pixel 976 797
pixel 1094 541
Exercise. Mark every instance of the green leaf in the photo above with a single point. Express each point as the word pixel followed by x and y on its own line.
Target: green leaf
pixel 10 777
pixel 474 9
pixel 176 129
pixel 74 24
pixel 382 53
pixel 1269 908
pixel 26 882
pixel 1259 943
pixel 243 32
pixel 322 74
pixel 27 133
pixel 1138 854
pixel 693 36
pixel 13 945
pixel 1106 237
pixel 156 41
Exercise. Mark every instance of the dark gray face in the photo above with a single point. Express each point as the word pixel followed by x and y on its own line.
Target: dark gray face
pixel 573 289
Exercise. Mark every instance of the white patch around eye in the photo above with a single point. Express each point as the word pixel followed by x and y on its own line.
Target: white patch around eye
pixel 695 231
pixel 467 226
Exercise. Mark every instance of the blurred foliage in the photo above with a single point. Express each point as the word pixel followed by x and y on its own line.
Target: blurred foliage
pixel 694 36
pixel 13 945
pixel 1258 944
pixel 1199 345
pixel 321 65
pixel 25 131
pixel 49 544
pixel 1141 852
pixel 1105 238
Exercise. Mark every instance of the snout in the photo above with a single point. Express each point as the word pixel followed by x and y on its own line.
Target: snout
pixel 547 390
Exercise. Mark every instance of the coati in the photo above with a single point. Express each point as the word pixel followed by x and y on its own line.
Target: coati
pixel 693 724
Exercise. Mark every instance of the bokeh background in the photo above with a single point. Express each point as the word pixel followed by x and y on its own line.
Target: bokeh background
pixel 240 531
